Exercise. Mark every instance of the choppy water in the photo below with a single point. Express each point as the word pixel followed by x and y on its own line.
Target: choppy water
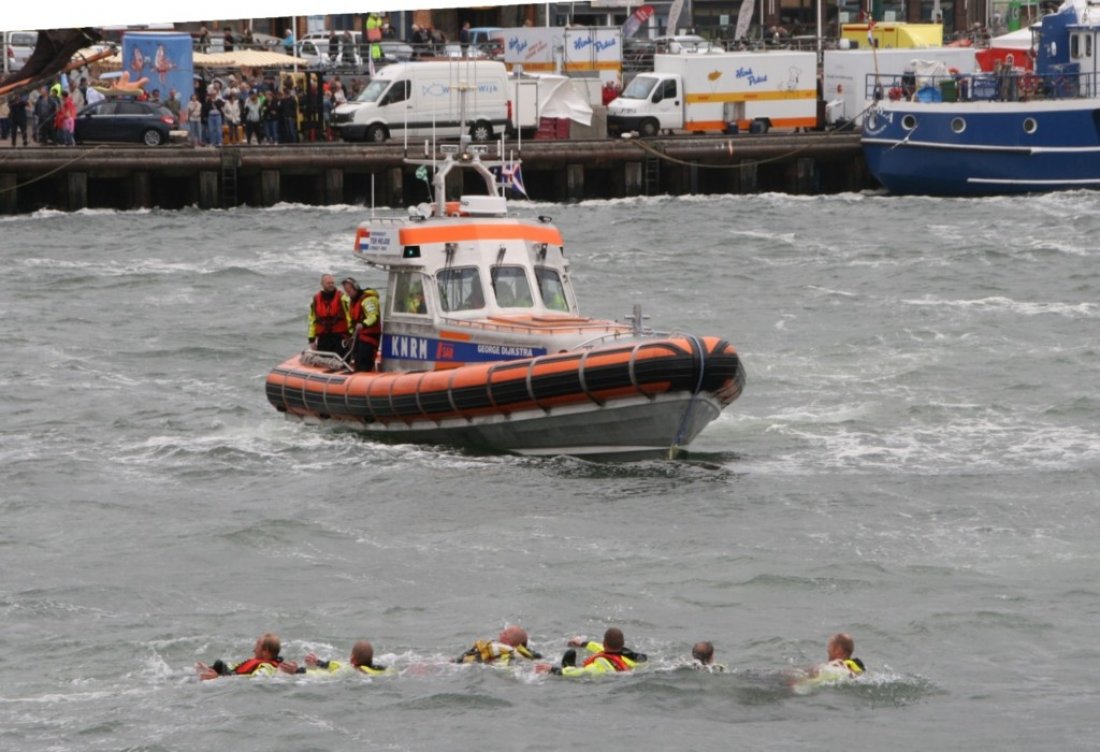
pixel 915 460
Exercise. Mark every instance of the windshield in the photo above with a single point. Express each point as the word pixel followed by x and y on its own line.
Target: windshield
pixel 511 288
pixel 551 289
pixel 640 87
pixel 373 91
pixel 460 289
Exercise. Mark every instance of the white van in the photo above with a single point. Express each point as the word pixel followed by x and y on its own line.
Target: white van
pixel 420 99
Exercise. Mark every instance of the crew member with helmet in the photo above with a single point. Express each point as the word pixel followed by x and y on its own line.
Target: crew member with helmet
pixel 366 320
pixel 329 318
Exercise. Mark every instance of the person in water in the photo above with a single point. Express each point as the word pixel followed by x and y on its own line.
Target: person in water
pixel 610 656
pixel 265 661
pixel 361 660
pixel 840 667
pixel 329 318
pixel 702 657
pixel 510 645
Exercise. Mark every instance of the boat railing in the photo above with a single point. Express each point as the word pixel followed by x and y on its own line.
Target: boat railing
pixel 1008 85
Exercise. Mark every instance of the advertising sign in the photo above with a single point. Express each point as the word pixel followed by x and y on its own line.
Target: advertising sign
pixel 594 50
pixel 159 60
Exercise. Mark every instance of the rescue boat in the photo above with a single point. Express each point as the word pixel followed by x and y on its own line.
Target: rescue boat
pixel 483 345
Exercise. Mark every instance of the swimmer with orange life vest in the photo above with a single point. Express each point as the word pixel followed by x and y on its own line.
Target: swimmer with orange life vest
pixel 265 661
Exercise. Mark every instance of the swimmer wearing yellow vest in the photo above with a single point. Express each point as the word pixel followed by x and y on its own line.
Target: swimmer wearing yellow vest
pixel 610 656
pixel 511 644
pixel 361 661
pixel 841 666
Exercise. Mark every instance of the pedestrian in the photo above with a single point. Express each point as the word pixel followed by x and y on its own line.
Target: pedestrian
pixel 288 115
pixel 20 112
pixel 214 120
pixel 271 118
pixel 5 118
pixel 44 112
pixel 228 40
pixel 232 113
pixel 173 105
pixel 65 120
pixel 194 120
pixel 253 118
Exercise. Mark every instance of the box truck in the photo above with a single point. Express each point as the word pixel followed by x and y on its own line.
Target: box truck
pixel 418 99
pixel 716 92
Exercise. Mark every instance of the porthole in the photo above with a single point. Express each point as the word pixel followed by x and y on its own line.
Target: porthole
pixel 908 122
pixel 958 125
pixel 1030 126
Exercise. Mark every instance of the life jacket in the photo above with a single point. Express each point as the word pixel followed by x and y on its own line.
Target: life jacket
pixel 487 651
pixel 252 665
pixel 329 315
pixel 616 660
pixel 855 665
pixel 372 333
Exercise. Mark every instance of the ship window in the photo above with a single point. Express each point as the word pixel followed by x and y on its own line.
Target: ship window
pixel 510 287
pixel 1088 46
pixel 908 122
pixel 1074 46
pixel 551 289
pixel 958 125
pixel 408 293
pixel 1030 126
pixel 460 289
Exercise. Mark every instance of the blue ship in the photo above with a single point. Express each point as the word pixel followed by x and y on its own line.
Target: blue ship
pixel 1009 131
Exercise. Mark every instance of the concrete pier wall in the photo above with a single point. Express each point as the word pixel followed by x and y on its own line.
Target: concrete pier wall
pixel 174 177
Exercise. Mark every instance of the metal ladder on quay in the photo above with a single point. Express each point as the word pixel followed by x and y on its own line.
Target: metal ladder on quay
pixel 652 175
pixel 231 162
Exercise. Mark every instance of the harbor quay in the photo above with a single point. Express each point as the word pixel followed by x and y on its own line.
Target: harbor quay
pixel 131 177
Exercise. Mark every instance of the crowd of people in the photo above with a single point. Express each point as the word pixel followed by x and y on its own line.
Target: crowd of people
pixel 45 115
pixel 609 656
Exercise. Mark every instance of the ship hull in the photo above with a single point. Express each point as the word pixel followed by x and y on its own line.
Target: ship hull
pixel 634 399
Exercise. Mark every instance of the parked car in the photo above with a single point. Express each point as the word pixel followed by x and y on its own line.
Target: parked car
pixel 315 52
pixel 125 120
pixel 18 46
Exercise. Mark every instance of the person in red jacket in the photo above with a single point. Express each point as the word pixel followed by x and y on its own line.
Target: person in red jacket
pixel 329 318
pixel 265 660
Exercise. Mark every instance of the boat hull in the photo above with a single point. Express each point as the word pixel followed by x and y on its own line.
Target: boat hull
pixel 984 148
pixel 638 398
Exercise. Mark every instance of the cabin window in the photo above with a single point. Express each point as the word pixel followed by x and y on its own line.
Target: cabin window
pixel 510 287
pixel 408 294
pixel 551 289
pixel 460 289
pixel 1088 46
pixel 1074 46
